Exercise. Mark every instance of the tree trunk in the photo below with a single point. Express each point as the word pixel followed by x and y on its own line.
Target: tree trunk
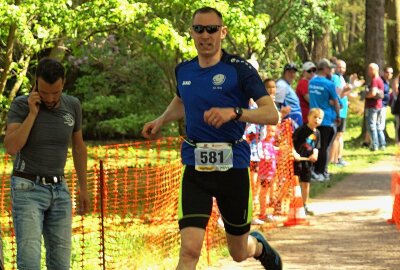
pixel 17 85
pixel 8 57
pixel 24 62
pixel 321 46
pixel 374 32
pixel 340 44
pixel 393 35
pixel 353 25
pixel 302 52
pixel 374 37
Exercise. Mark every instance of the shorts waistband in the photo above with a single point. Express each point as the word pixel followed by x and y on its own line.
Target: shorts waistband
pixel 193 142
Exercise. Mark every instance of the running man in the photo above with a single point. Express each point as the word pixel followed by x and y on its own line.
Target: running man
pixel 213 93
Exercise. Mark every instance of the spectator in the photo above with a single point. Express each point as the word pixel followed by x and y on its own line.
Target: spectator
pixel 285 95
pixel 306 142
pixel 373 106
pixel 343 90
pixel 323 95
pixel 395 107
pixel 267 171
pixel 381 121
pixel 39 129
pixel 254 133
pixel 270 85
pixel 309 70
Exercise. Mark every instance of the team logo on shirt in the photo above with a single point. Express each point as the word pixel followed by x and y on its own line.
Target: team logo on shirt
pixel 186 83
pixel 218 79
pixel 69 119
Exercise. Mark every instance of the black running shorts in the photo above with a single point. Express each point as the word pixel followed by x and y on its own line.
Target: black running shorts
pixel 231 190
pixel 303 170
pixel 342 126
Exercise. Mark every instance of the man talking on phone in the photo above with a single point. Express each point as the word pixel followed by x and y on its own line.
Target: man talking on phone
pixel 39 128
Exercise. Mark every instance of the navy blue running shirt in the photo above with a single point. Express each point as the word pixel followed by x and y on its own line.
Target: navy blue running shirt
pixel 229 83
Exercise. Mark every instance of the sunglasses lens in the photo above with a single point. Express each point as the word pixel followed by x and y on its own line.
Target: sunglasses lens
pixel 311 71
pixel 198 28
pixel 212 29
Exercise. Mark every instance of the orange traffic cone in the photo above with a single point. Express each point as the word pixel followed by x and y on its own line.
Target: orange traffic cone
pixel 297 213
pixel 396 204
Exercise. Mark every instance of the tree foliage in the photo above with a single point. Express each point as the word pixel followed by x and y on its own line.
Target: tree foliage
pixel 121 54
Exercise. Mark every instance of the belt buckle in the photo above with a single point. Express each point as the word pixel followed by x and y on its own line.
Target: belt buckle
pixel 43 180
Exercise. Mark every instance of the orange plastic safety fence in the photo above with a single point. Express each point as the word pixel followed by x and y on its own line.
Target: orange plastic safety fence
pixel 133 219
pixel 272 191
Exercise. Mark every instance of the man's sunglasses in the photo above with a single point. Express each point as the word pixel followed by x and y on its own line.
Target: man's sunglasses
pixel 211 29
pixel 313 70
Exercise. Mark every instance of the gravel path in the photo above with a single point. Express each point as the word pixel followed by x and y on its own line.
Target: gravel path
pixel 349 230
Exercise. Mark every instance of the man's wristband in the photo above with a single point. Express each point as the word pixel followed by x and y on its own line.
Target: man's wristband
pixel 238 111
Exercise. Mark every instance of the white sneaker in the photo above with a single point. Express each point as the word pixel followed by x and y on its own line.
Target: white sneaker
pixel 317 177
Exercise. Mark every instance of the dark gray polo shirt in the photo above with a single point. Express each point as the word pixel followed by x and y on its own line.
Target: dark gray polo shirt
pixel 45 151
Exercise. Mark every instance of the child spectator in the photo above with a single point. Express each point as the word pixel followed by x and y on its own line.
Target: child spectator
pixel 267 171
pixel 254 134
pixel 270 85
pixel 306 141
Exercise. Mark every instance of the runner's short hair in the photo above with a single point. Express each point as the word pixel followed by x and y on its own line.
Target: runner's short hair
pixel 205 10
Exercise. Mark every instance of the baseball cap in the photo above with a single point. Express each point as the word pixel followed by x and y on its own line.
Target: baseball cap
pixel 308 65
pixel 324 63
pixel 290 66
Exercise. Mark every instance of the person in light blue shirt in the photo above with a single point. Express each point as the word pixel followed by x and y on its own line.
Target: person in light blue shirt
pixel 322 92
pixel 343 90
pixel 286 96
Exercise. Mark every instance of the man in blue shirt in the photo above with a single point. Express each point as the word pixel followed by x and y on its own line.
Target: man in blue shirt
pixel 213 93
pixel 343 90
pixel 286 96
pixel 322 92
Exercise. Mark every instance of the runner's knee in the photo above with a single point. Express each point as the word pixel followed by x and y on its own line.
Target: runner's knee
pixel 190 251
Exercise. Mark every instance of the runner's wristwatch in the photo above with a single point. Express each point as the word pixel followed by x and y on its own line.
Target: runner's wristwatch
pixel 238 111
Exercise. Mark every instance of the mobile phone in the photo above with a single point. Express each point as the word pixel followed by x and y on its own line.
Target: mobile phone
pixel 35 89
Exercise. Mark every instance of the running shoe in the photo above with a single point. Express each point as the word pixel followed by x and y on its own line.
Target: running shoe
pixel 326 176
pixel 308 211
pixel 317 177
pixel 342 163
pixel 269 257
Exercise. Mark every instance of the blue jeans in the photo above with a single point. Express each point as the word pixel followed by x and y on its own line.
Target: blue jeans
pixel 372 126
pixel 41 209
pixel 381 121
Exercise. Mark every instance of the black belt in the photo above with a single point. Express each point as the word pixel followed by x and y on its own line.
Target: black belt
pixel 46 180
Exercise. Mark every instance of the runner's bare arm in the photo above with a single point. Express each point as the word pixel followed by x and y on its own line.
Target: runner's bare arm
pixel 174 111
pixel 265 114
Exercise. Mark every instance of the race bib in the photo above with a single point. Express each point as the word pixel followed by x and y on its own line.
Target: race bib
pixel 213 157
